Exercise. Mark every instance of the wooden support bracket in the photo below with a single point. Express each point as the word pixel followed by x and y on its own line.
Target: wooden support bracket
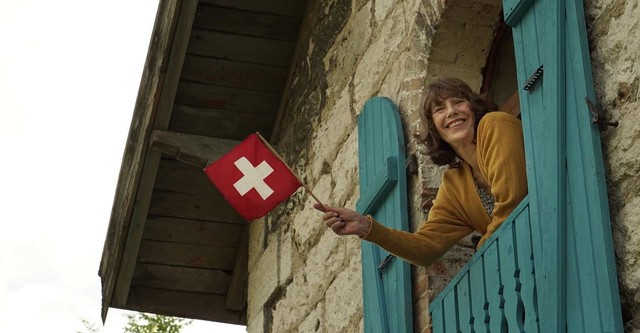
pixel 191 149
pixel 237 293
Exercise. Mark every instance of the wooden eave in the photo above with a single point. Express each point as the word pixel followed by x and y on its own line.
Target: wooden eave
pixel 215 71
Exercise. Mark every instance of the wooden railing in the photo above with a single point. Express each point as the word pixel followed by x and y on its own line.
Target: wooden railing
pixel 496 290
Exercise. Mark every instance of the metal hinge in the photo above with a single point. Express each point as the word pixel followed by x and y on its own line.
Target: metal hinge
pixel 534 79
pixel 386 262
pixel 598 116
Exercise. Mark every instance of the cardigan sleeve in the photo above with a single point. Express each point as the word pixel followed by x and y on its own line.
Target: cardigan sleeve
pixel 443 229
pixel 500 151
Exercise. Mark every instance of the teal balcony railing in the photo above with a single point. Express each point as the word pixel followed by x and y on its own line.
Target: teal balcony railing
pixel 496 290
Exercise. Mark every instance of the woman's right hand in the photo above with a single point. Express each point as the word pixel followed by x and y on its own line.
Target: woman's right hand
pixel 344 221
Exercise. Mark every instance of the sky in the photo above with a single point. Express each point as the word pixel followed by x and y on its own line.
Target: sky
pixel 69 76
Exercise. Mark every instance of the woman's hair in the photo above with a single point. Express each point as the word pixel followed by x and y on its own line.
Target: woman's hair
pixel 437 92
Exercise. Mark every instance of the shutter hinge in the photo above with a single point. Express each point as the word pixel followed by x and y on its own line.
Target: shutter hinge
pixel 534 79
pixel 386 262
pixel 598 116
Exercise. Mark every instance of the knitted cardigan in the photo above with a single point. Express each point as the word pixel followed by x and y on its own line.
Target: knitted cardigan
pixel 457 210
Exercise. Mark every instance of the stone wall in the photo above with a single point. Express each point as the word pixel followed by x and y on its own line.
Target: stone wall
pixel 303 278
pixel 614 37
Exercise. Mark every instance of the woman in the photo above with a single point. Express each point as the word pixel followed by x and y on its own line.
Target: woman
pixel 485 180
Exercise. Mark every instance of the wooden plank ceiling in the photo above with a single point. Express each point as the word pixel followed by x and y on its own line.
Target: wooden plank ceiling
pixel 215 72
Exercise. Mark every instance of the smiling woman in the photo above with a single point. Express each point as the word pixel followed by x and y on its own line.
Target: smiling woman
pixel 485 181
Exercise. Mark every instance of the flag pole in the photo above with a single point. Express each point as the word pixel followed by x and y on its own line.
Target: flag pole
pixel 293 173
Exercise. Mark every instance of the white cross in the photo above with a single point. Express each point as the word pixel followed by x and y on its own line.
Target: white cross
pixel 253 177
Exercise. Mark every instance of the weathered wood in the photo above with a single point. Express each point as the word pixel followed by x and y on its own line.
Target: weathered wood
pixel 117 262
pixel 512 105
pixel 522 227
pixel 184 304
pixel 479 304
pixel 241 48
pixel 450 313
pixel 234 74
pixel 509 271
pixel 217 97
pixel 193 231
pixel 219 123
pixel 193 149
pixel 463 301
pixel 177 176
pixel 180 205
pixel 237 293
pixel 181 278
pixel 294 8
pixel 187 255
pixel 248 23
pixel 494 289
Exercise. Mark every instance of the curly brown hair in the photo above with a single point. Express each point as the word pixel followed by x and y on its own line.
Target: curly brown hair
pixel 437 92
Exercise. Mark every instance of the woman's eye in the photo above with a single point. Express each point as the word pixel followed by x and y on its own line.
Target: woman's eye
pixel 436 110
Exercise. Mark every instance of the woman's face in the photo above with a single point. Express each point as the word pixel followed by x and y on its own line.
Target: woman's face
pixel 454 121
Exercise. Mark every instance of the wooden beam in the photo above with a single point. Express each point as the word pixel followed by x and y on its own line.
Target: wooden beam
pixel 219 123
pixel 233 74
pixel 512 105
pixel 192 149
pixel 187 255
pixel 168 229
pixel 241 48
pixel 248 23
pixel 158 115
pixel 181 278
pixel 293 8
pixel 177 176
pixel 237 294
pixel 186 206
pixel 184 304
pixel 219 97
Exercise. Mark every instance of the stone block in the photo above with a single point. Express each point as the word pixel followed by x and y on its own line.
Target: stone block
pixel 382 8
pixel 323 262
pixel 313 322
pixel 308 225
pixel 343 301
pixel 345 170
pixel 293 307
pixel 256 323
pixel 381 53
pixel 262 280
pixel 347 50
pixel 334 126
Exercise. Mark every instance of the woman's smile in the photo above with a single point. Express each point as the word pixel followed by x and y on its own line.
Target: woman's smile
pixel 454 121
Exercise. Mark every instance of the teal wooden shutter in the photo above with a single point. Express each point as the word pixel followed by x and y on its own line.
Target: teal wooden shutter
pixel 576 278
pixel 383 195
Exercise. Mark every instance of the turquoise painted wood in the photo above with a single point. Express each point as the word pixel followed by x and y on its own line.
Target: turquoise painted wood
pixel 537 43
pixel 550 266
pixel 565 169
pixel 383 188
pixel 487 294
pixel 589 227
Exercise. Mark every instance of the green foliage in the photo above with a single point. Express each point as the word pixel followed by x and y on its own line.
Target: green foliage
pixel 89 327
pixel 149 323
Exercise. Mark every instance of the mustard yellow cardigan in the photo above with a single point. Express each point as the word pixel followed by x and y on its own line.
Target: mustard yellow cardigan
pixel 457 210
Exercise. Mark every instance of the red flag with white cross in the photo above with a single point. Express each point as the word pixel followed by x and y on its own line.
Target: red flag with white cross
pixel 252 178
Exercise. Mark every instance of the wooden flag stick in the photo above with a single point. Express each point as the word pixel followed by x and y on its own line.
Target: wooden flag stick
pixel 293 173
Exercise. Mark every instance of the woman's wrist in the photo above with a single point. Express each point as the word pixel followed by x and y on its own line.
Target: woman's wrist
pixel 367 224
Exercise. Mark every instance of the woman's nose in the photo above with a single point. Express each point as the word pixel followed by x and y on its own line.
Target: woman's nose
pixel 451 110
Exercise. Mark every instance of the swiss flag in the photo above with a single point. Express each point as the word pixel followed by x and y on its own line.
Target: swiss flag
pixel 252 179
